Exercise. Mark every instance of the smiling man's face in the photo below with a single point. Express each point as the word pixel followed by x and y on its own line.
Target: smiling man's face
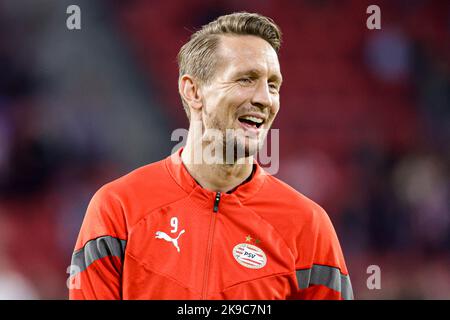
pixel 244 92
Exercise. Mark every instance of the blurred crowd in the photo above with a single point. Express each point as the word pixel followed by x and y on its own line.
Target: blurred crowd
pixel 364 126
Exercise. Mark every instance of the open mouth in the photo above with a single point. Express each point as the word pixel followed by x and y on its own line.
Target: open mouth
pixel 251 121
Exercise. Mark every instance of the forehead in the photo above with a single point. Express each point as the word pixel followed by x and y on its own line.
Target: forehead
pixel 242 52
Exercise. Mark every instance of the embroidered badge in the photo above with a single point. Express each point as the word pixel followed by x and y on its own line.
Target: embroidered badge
pixel 249 256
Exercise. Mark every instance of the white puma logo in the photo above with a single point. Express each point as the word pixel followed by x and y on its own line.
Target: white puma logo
pixel 165 236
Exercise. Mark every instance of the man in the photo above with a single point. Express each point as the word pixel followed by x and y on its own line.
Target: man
pixel 208 222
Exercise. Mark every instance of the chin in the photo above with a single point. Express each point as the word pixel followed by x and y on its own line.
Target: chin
pixel 240 146
pixel 246 148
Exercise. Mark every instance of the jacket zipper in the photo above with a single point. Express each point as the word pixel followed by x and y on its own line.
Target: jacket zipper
pixel 210 242
pixel 216 202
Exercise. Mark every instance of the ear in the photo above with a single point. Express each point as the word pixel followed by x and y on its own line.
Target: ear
pixel 190 90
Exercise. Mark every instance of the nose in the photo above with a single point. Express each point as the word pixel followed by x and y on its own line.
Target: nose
pixel 262 97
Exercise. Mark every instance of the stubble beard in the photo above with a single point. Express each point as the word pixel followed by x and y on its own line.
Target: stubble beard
pixel 239 146
pixel 235 146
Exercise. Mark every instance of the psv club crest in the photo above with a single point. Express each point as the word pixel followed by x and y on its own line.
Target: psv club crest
pixel 249 256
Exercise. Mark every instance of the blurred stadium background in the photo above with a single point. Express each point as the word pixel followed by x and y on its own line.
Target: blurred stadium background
pixel 364 126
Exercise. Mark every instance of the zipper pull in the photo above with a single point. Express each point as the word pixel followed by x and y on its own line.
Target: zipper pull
pixel 216 202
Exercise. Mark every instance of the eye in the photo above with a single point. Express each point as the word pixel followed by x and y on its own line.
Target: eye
pixel 245 80
pixel 274 87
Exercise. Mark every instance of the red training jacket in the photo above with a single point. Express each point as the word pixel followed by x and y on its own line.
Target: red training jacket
pixel 156 234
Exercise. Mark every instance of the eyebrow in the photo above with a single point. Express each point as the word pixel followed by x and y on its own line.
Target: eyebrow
pixel 257 73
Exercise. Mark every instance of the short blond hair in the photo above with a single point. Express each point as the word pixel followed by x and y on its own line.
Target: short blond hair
pixel 197 57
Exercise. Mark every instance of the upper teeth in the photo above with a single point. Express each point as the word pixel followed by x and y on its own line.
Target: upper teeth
pixel 253 119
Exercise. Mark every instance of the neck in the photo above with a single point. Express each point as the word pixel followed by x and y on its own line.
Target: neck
pixel 218 177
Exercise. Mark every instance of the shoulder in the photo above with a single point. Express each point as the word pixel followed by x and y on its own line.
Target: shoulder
pixel 138 192
pixel 289 201
pixel 147 176
pixel 290 212
pixel 305 225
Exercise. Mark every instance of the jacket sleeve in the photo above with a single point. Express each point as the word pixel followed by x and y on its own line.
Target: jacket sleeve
pixel 96 267
pixel 320 269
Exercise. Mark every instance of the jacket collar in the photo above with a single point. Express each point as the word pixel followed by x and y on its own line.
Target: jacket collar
pixel 182 177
